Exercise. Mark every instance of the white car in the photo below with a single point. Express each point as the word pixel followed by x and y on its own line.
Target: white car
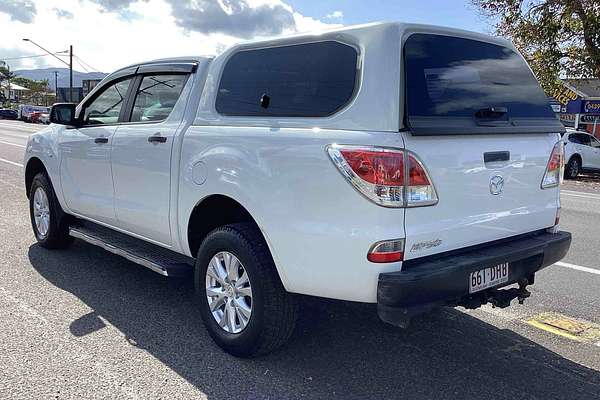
pixel 405 165
pixel 44 118
pixel 582 153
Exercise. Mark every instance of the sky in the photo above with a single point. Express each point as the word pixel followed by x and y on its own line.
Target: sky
pixel 109 34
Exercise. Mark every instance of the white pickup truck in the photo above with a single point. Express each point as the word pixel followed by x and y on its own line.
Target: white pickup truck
pixel 405 165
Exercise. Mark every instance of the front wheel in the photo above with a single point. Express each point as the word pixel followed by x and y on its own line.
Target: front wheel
pixel 243 304
pixel 572 168
pixel 49 223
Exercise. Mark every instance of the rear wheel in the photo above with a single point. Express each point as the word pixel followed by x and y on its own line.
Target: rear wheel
pixel 49 223
pixel 573 168
pixel 243 304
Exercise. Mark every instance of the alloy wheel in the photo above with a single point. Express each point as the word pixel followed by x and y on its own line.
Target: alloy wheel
pixel 229 292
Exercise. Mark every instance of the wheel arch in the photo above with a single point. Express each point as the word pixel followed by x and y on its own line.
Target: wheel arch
pixel 210 213
pixel 33 167
pixel 218 210
pixel 577 156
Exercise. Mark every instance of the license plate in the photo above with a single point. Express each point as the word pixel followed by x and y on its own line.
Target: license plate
pixel 488 277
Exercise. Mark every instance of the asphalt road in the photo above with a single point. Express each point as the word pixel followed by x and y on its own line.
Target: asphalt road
pixel 83 323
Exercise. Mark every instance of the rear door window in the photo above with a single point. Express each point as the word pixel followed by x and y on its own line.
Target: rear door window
pixel 574 138
pixel 303 80
pixel 584 139
pixel 156 97
pixel 460 85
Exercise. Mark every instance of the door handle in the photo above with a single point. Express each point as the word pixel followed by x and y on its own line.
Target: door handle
pixel 157 139
pixel 101 140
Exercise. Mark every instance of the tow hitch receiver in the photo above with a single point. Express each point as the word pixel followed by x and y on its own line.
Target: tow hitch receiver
pixel 500 298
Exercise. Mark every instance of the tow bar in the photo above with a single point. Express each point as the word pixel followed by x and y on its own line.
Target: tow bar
pixel 500 298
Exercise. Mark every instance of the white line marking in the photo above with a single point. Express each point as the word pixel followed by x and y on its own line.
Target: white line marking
pixel 12 144
pixel 580 197
pixel 579 268
pixel 578 193
pixel 11 162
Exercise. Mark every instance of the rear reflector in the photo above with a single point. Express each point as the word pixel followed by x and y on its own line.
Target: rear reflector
pixel 554 170
pixel 387 251
pixel 388 177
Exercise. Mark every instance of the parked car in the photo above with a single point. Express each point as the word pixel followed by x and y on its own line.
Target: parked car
pixel 6 113
pixel 405 165
pixel 34 116
pixel 25 111
pixel 44 118
pixel 582 153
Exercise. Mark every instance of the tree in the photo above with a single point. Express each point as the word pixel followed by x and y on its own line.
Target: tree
pixel 559 38
pixel 38 90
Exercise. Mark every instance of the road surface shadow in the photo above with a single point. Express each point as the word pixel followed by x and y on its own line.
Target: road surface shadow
pixel 339 350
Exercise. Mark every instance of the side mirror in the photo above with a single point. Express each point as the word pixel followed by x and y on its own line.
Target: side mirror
pixel 63 114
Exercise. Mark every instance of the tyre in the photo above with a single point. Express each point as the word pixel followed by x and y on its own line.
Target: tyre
pixel 50 224
pixel 242 301
pixel 572 168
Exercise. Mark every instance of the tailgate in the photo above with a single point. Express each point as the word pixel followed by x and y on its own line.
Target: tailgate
pixel 480 201
pixel 482 126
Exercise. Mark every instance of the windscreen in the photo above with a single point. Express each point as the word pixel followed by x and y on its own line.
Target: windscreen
pixel 467 85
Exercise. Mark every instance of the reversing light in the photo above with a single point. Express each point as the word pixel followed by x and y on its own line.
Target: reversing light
pixel 554 170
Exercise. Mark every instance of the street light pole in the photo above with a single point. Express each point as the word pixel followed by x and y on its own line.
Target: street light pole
pixel 69 64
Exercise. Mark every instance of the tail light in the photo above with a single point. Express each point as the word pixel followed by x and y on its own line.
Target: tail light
pixel 388 177
pixel 386 251
pixel 554 170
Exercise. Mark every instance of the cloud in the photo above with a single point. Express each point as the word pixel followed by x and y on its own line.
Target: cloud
pixel 18 58
pixel 232 17
pixel 335 15
pixel 108 40
pixel 19 10
pixel 60 13
pixel 114 5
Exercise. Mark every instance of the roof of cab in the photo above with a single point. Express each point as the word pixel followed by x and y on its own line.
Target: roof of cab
pixel 404 29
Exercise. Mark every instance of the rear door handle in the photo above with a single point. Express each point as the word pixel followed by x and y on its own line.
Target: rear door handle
pixel 496 156
pixel 157 139
pixel 101 140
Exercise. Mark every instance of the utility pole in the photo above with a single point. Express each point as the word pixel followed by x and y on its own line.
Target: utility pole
pixel 71 73
pixel 8 82
pixel 56 86
pixel 69 64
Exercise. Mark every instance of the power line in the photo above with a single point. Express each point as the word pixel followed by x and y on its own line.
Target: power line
pixel 88 65
pixel 80 64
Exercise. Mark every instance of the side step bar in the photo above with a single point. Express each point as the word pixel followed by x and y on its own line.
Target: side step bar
pixel 153 257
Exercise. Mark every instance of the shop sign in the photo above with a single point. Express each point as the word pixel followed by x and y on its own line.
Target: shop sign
pixel 591 107
pixel 563 95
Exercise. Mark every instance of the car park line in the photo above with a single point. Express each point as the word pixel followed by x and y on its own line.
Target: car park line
pixel 580 194
pixel 12 144
pixel 578 268
pixel 11 162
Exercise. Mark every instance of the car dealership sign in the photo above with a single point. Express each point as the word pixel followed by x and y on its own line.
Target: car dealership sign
pixel 591 107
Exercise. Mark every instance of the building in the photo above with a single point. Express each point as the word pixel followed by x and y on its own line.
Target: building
pixel 88 85
pixel 579 101
pixel 63 95
pixel 15 93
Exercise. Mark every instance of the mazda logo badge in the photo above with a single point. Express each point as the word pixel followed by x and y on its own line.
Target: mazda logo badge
pixel 496 184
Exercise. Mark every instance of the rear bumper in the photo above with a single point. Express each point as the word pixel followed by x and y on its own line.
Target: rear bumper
pixel 433 282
